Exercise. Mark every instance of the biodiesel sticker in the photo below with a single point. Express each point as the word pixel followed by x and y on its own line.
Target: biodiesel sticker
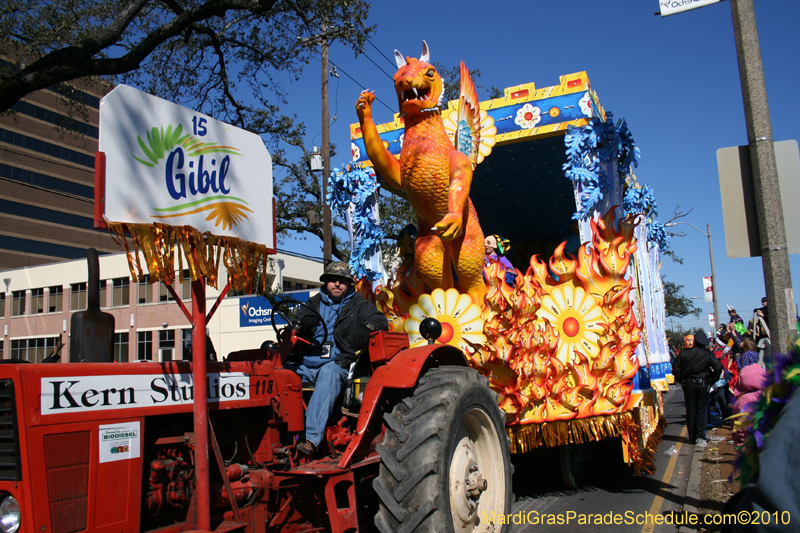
pixel 119 442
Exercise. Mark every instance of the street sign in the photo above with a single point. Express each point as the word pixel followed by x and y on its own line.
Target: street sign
pixel 671 7
pixel 738 199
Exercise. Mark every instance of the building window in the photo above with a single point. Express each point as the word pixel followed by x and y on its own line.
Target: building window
pixel 55 300
pixel 186 335
pixel 145 290
pixel 18 303
pixel 121 293
pixel 186 286
pixel 164 295
pixel 1 349
pixel 37 301
pixel 17 348
pixel 287 285
pixel 121 347
pixel 166 344
pixel 103 292
pixel 33 350
pixel 77 296
pixel 145 345
pixel 2 304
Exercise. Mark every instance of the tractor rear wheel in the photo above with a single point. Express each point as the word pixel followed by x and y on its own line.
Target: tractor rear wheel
pixel 445 462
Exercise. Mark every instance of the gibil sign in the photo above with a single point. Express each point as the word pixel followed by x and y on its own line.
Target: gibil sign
pixel 166 163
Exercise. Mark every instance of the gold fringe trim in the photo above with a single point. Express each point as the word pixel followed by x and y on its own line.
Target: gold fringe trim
pixel 642 439
pixel 160 243
pixel 561 432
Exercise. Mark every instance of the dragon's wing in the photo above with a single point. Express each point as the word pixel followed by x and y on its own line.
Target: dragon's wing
pixel 468 136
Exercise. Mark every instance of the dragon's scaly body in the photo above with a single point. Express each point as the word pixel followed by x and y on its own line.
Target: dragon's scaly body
pixel 436 178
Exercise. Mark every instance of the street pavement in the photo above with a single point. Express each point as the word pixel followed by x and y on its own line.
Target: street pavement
pixel 610 488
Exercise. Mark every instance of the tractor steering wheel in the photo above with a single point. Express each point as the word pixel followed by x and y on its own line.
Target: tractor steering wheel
pixel 278 309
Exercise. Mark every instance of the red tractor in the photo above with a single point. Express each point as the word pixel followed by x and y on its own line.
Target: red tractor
pixel 113 447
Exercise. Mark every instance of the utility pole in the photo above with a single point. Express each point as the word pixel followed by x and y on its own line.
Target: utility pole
pixel 326 152
pixel 766 190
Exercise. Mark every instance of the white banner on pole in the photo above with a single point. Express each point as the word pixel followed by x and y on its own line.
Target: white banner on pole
pixel 712 322
pixel 708 289
pixel 671 7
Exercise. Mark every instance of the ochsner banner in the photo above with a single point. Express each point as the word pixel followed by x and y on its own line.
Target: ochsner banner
pixel 166 163
pixel 671 7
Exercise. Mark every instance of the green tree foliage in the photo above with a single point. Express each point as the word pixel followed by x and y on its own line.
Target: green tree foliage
pixel 676 303
pixel 217 56
pixel 226 58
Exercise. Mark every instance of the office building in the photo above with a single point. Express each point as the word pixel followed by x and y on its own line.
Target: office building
pixel 47 154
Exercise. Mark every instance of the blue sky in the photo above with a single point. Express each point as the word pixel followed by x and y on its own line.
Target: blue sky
pixel 674 80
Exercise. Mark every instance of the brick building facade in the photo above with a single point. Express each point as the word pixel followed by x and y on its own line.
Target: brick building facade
pixel 37 304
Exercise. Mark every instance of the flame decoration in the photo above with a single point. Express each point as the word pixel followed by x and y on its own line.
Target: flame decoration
pixel 555 349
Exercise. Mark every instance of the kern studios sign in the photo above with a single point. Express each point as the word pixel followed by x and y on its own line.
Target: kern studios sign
pixel 166 163
pixel 257 311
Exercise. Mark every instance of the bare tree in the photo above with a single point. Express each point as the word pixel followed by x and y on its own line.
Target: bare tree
pixel 677 214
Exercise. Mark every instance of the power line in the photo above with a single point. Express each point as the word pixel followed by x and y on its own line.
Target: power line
pixel 379 68
pixel 298 254
pixel 381 53
pixel 362 87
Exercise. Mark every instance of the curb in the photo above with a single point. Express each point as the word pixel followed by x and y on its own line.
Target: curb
pixel 693 486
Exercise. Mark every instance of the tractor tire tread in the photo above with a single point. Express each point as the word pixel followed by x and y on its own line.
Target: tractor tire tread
pixel 410 490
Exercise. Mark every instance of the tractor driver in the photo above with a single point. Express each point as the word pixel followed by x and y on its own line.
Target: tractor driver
pixel 327 361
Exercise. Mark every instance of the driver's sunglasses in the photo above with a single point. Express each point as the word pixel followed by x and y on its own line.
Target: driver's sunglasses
pixel 341 280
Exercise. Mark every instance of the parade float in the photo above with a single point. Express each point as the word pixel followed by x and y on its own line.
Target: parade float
pixel 574 343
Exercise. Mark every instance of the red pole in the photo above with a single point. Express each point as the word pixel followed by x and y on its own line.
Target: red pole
pixel 100 190
pixel 199 378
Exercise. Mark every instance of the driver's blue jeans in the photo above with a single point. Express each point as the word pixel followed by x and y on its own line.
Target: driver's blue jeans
pixel 328 380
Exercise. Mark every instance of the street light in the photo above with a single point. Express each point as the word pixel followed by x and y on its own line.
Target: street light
pixel 717 318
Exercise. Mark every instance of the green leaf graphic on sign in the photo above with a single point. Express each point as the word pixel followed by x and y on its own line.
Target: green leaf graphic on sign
pixel 159 142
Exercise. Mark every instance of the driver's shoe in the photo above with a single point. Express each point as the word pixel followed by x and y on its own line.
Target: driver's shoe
pixel 307 448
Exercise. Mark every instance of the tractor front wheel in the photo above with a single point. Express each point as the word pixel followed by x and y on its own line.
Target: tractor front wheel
pixel 445 463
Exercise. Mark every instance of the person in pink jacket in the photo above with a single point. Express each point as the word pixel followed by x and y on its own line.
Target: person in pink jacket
pixel 752 380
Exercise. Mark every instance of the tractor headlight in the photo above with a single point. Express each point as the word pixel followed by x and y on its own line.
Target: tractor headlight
pixel 9 515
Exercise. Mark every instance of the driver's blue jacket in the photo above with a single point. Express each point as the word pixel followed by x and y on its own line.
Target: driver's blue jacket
pixel 343 319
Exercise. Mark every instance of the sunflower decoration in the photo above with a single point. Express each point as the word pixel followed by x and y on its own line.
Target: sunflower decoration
pixel 576 318
pixel 462 325
pixel 488 131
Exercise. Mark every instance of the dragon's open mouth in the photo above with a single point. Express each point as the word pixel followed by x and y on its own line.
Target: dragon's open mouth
pixel 414 94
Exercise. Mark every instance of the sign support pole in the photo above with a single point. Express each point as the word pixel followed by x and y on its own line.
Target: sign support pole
pixel 766 188
pixel 200 381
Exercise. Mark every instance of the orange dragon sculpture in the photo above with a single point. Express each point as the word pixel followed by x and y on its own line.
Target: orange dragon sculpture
pixel 434 175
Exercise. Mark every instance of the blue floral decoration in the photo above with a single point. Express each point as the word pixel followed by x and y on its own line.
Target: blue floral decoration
pixel 658 235
pixel 356 185
pixel 640 201
pixel 582 167
pixel 601 141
